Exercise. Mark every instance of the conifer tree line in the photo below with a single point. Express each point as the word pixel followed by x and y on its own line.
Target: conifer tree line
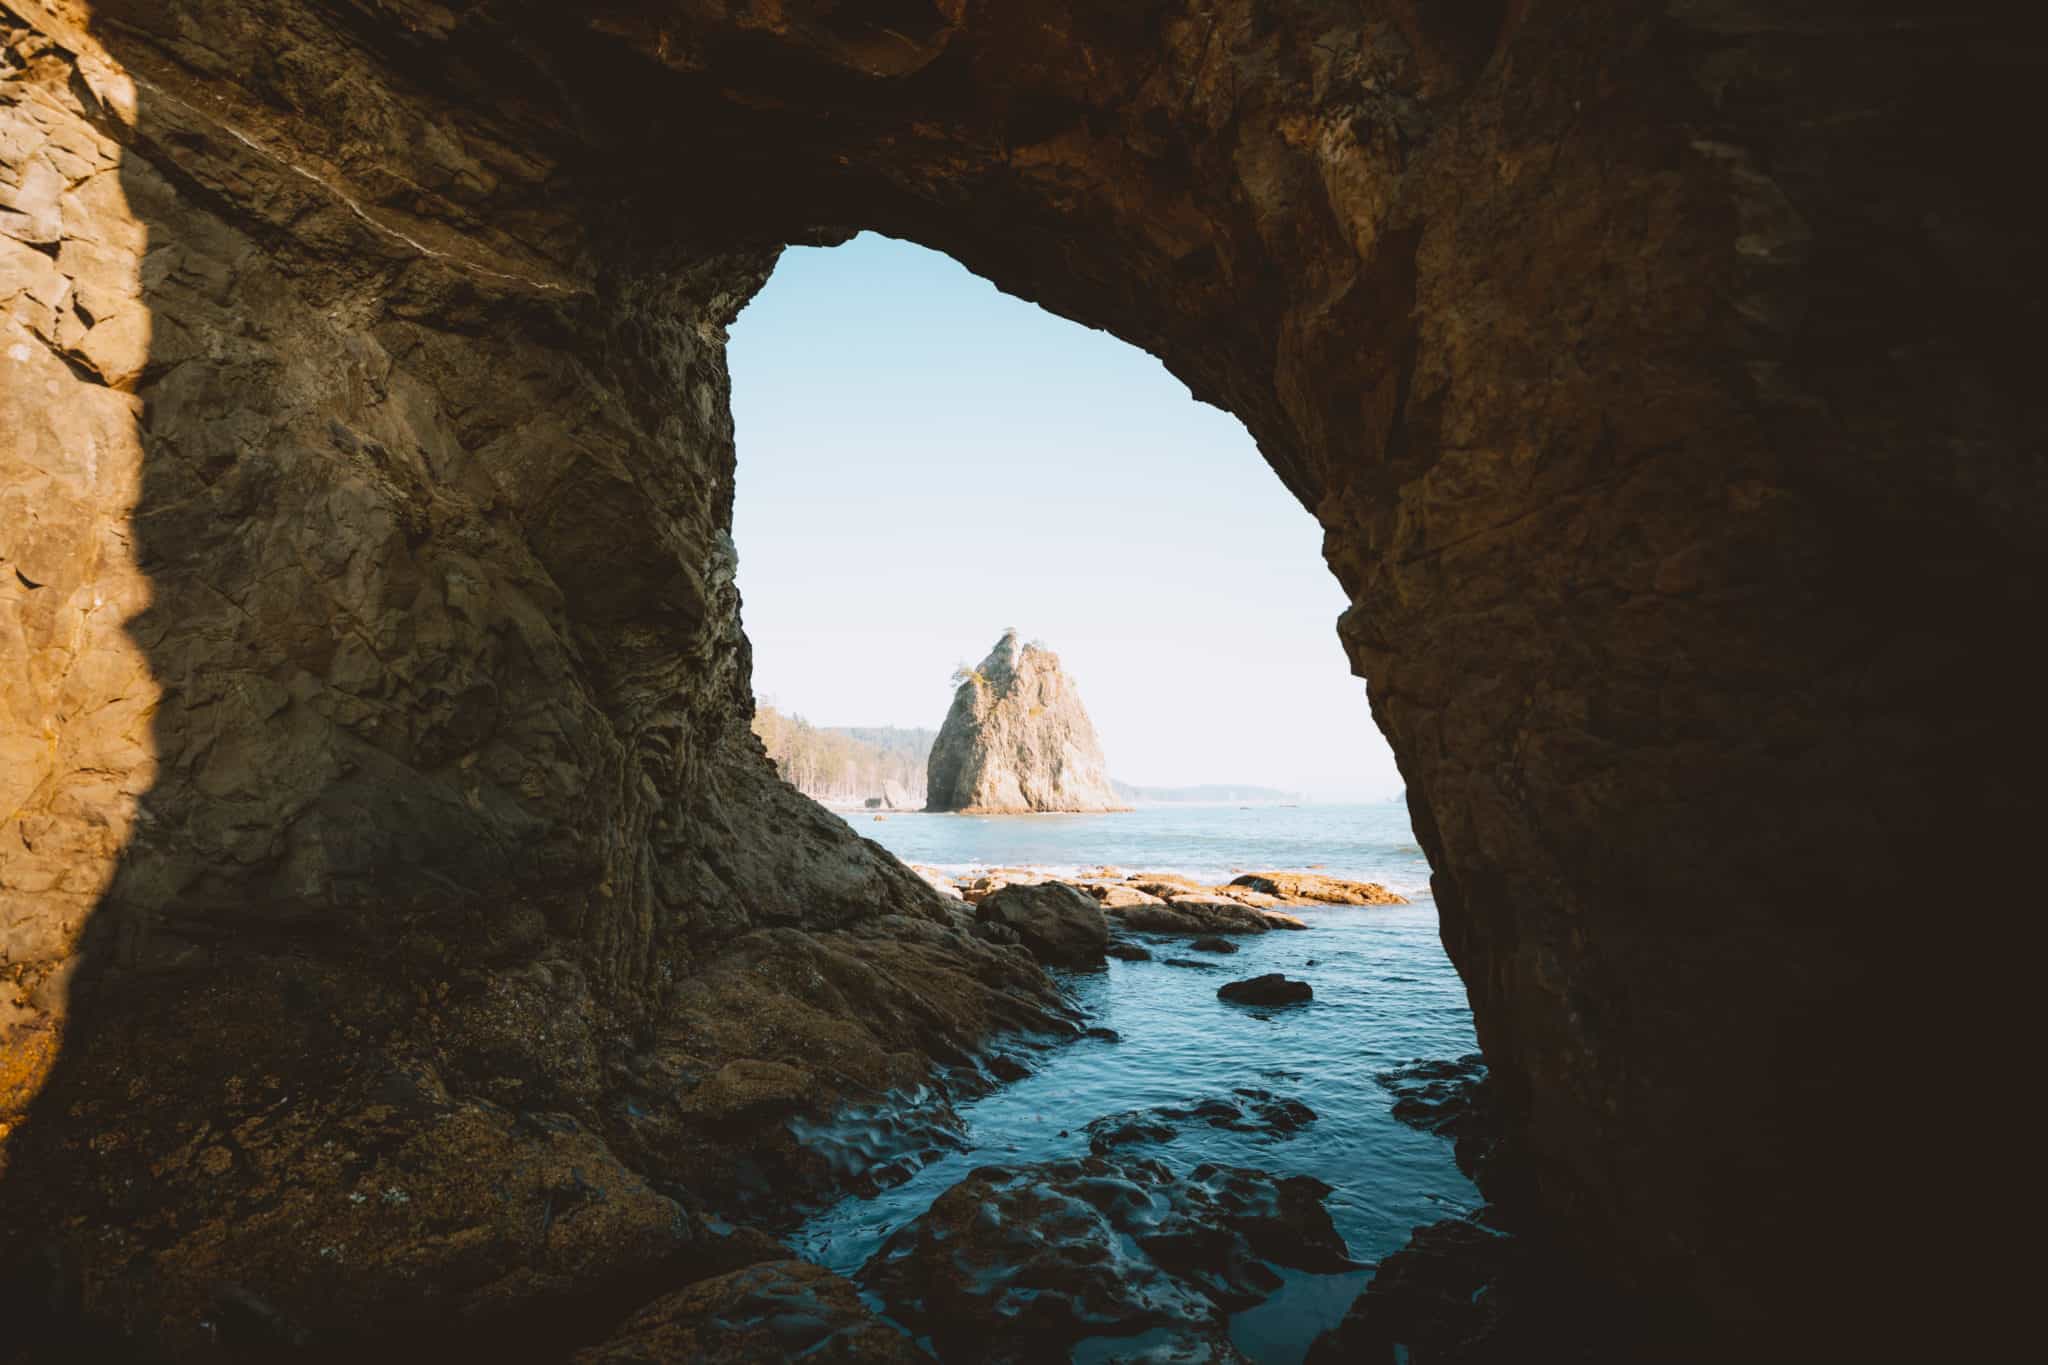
pixel 845 763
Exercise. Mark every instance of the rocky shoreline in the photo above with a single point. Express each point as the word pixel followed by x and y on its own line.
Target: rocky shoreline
pixel 1114 1254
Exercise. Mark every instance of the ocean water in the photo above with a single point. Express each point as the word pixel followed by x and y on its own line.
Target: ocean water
pixel 1384 995
pixel 1211 843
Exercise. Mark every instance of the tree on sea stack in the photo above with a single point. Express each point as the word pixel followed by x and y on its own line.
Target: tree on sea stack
pixel 1017 739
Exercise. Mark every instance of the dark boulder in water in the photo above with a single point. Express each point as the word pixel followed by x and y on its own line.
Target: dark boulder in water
pixel 1270 989
pixel 1128 952
pixel 1213 945
pixel 1021 1264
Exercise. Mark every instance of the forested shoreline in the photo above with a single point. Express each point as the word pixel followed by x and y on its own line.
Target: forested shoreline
pixel 846 763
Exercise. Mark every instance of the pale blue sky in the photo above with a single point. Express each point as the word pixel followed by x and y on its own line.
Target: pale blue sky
pixel 924 460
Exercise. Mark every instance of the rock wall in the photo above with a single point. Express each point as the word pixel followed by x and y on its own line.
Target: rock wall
pixel 1017 740
pixel 377 789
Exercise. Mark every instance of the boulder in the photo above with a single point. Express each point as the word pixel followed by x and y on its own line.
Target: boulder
pixel 1270 989
pixel 1213 944
pixel 1057 923
pixel 1122 897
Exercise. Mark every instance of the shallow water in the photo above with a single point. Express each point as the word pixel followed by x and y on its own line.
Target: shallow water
pixel 1385 994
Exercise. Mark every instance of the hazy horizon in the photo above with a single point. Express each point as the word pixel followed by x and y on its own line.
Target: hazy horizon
pixel 924 461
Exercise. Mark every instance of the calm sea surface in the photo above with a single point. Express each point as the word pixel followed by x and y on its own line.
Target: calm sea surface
pixel 1385 995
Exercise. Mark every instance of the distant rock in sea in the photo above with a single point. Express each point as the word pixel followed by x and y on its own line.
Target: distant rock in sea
pixel 1017 740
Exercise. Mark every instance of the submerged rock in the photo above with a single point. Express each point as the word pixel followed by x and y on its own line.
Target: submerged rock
pixel 778 1310
pixel 1213 945
pixel 1128 952
pixel 1017 739
pixel 1058 924
pixel 1270 989
pixel 1020 1264
pixel 1245 1110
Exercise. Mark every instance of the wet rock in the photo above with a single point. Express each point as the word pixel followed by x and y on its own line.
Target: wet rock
pixel 1245 1110
pixel 1213 945
pixel 1270 989
pixel 1470 1291
pixel 861 1149
pixel 777 1310
pixel 1126 1129
pixel 1299 887
pixel 1058 924
pixel 1017 739
pixel 1427 1302
pixel 1453 1099
pixel 1194 964
pixel 1128 952
pixel 1105 1035
pixel 1019 1264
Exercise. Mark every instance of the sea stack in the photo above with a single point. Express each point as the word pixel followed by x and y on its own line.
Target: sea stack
pixel 1017 740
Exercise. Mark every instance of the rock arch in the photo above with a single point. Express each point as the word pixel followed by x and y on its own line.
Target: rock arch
pixel 1657 374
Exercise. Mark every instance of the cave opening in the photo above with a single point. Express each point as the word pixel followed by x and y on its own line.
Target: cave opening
pixel 922 460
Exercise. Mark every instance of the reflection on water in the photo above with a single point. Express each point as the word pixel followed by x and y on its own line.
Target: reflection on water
pixel 1385 994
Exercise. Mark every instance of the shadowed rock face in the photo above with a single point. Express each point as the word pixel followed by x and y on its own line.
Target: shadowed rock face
pixel 1017 739
pixel 373 701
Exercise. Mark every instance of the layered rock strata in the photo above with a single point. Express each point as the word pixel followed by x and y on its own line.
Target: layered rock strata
pixel 1017 740
pixel 1659 376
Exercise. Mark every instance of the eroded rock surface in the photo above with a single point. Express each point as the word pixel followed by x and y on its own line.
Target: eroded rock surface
pixel 1021 1264
pixel 1017 739
pixel 1660 377
pixel 778 1310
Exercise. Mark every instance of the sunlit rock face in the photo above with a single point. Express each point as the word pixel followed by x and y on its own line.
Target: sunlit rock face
pixel 378 792
pixel 1017 739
